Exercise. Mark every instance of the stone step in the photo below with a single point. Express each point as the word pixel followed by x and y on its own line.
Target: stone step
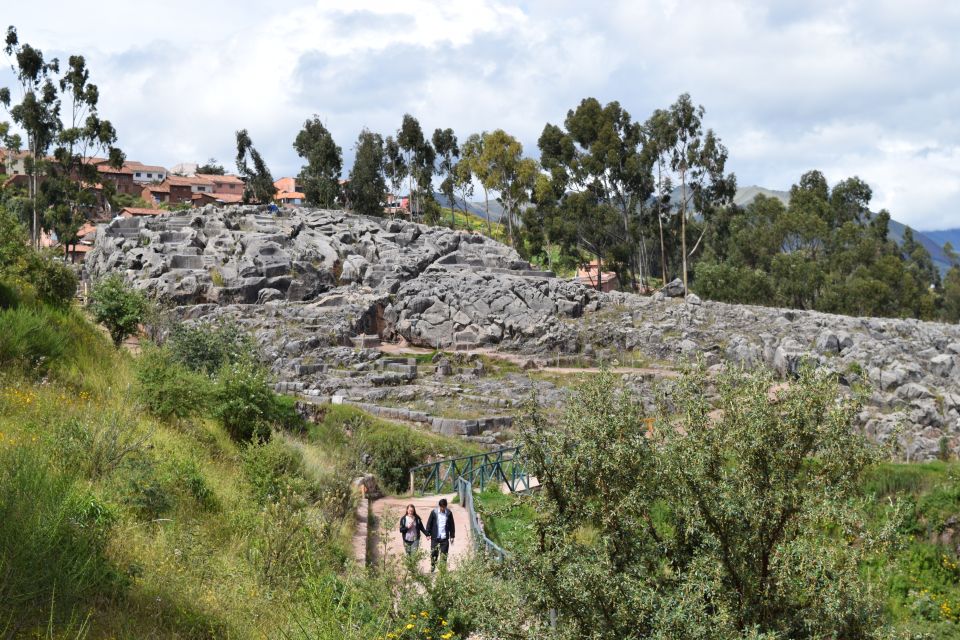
pixel 186 262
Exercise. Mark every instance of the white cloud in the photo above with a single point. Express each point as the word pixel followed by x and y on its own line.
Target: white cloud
pixel 853 87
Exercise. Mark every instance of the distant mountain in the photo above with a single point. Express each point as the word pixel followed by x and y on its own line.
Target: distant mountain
pixel 944 236
pixel 476 207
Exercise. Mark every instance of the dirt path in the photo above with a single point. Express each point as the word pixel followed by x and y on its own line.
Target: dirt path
pixel 386 516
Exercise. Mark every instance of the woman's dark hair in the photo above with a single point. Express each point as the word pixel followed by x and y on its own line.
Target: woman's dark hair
pixel 407 511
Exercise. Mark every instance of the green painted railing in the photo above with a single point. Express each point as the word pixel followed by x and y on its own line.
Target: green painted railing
pixel 480 539
pixel 499 466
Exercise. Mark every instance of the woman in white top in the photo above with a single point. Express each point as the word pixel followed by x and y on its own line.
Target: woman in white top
pixel 411 526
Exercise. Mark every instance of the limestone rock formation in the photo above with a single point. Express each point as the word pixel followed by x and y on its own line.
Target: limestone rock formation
pixel 319 289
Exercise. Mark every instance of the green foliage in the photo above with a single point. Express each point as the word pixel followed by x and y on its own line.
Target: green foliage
pixel 392 454
pixel 320 178
pixel 273 469
pixel 735 516
pixel 117 306
pixel 30 339
pixel 258 182
pixel 823 251
pixel 53 535
pixel 33 275
pixel 206 347
pixel 244 402
pixel 167 388
pixel 367 187
pixel 728 283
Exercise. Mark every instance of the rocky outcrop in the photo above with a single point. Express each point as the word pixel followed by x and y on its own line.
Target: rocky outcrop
pixel 319 289
pixel 448 288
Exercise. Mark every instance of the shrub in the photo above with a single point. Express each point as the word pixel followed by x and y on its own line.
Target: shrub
pixel 149 494
pixel 52 539
pixel 8 296
pixel 118 307
pixel 732 284
pixel 272 468
pixel 97 442
pixel 168 389
pixel 207 347
pixel 55 282
pixel 244 402
pixel 33 273
pixel 392 453
pixel 192 479
pixel 29 338
pixel 285 416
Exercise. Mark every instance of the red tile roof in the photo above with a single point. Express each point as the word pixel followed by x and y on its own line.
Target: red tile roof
pixel 185 181
pixel 141 211
pixel 227 179
pixel 286 184
pixel 139 166
pixel 106 168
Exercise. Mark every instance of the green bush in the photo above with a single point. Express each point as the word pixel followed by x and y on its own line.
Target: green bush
pixel 30 338
pixel 118 307
pixel 168 389
pixel 52 539
pixel 725 283
pixel 244 402
pixel 8 296
pixel 392 453
pixel 148 491
pixel 284 415
pixel 55 282
pixel 273 469
pixel 34 274
pixel 207 347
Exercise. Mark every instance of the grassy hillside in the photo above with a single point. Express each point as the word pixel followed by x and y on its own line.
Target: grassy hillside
pixel 116 522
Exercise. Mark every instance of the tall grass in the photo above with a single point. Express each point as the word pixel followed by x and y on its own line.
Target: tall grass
pixel 53 535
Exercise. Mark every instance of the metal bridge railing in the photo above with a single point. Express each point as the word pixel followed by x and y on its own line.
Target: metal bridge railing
pixel 502 465
pixel 480 539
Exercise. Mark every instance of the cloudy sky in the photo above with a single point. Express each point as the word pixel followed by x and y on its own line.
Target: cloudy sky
pixel 867 88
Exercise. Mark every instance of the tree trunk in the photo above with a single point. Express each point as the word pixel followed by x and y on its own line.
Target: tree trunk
pixel 486 204
pixel 683 226
pixel 663 250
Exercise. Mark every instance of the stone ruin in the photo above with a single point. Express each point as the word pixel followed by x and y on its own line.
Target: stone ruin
pixel 321 290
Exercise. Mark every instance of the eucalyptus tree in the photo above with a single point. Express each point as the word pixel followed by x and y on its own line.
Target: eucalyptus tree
pixel 694 159
pixel 598 153
pixel 418 158
pixel 59 114
pixel 445 145
pixel 37 113
pixel 320 177
pixel 83 136
pixel 394 164
pixel 367 185
pixel 462 183
pixel 258 182
pixel 473 163
pixel 512 175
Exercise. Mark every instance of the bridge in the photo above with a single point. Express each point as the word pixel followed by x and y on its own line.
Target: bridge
pixel 503 468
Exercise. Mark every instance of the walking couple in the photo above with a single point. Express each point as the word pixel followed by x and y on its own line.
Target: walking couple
pixel 440 529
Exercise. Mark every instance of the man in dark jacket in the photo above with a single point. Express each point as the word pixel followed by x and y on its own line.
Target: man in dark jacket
pixel 442 531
